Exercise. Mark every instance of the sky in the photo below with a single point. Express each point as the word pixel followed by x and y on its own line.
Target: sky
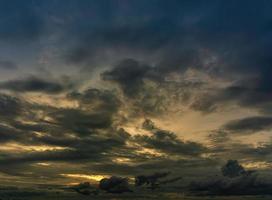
pixel 91 89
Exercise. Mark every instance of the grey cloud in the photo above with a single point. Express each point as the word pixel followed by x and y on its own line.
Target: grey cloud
pixel 8 134
pixel 148 89
pixel 103 100
pixel 262 152
pixel 88 150
pixel 34 84
pixel 249 125
pixel 82 122
pixel 129 74
pixel 9 106
pixel 168 142
pixel 249 93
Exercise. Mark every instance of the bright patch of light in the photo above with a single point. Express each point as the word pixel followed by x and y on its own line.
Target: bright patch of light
pixel 15 147
pixel 85 176
pixel 257 165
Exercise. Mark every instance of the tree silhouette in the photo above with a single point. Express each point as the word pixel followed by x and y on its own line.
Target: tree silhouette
pixel 115 184
pixel 151 181
pixel 233 169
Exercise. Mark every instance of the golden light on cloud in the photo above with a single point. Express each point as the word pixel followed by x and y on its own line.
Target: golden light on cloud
pixel 15 147
pixel 43 148
pixel 43 164
pixel 257 165
pixel 150 152
pixel 122 160
pixel 95 178
pixel 56 101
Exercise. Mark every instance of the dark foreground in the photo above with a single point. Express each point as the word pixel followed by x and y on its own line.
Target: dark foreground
pixel 18 194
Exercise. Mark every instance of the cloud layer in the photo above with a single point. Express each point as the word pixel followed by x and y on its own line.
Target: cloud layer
pixel 123 88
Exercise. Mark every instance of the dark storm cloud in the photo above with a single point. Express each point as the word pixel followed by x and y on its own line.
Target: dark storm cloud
pixel 148 88
pixel 249 125
pixel 122 41
pixel 9 106
pixel 196 42
pixel 38 126
pixel 225 145
pixel 251 92
pixel 97 143
pixel 97 108
pixel 168 142
pixel 105 100
pixel 8 134
pixel 257 96
pixel 171 36
pixel 97 148
pixel 34 84
pixel 53 155
pixel 226 40
pixel 174 35
pixel 80 121
pixel 85 133
pixel 243 52
pixel 129 74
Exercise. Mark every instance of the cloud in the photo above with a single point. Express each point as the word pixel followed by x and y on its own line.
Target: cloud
pixel 147 88
pixel 97 110
pixel 168 142
pixel 102 100
pixel 9 106
pixel 249 125
pixel 34 84
pixel 261 152
pixel 254 93
pixel 164 43
pixel 81 122
pixel 238 182
pixel 97 148
pixel 9 134
pixel 129 74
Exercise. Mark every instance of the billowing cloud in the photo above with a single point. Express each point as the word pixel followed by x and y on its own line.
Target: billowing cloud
pixel 129 74
pixel 99 68
pixel 168 142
